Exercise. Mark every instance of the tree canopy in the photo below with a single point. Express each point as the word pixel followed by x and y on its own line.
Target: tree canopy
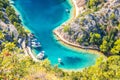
pixel 116 48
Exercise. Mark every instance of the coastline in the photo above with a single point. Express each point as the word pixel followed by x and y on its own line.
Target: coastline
pixel 67 43
pixel 74 46
pixel 73 15
pixel 75 8
pixel 28 50
pixel 18 13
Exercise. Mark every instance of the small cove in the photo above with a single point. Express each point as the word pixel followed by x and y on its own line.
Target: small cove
pixel 41 17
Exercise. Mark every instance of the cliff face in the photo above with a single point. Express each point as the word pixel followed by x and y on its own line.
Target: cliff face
pixel 10 28
pixel 6 25
pixel 89 24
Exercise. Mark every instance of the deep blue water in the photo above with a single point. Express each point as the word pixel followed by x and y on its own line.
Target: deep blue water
pixel 41 17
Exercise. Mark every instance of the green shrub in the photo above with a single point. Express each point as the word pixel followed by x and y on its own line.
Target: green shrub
pixel 112 16
pixel 66 28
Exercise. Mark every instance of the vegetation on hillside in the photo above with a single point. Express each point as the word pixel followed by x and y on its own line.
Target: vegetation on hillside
pixel 99 29
pixel 7 9
pixel 14 65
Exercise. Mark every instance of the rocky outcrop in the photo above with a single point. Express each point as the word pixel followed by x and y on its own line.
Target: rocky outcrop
pixel 10 28
pixel 7 25
pixel 100 22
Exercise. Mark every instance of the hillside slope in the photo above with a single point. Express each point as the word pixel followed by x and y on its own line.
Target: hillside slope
pixel 98 24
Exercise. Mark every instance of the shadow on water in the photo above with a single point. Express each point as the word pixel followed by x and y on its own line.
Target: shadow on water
pixel 62 63
pixel 72 60
pixel 45 57
pixel 39 48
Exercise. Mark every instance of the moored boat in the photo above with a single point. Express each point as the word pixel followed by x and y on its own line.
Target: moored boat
pixel 59 60
pixel 35 43
pixel 41 55
pixel 34 40
pixel 67 10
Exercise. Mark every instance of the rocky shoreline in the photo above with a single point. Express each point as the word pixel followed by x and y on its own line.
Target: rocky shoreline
pixel 75 46
pixel 60 36
pixel 84 25
pixel 27 49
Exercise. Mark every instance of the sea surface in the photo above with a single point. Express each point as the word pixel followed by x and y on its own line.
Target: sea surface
pixel 41 17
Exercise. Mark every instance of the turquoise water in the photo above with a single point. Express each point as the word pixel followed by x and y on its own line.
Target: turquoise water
pixel 41 17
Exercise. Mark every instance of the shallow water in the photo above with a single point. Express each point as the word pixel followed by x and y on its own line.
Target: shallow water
pixel 41 17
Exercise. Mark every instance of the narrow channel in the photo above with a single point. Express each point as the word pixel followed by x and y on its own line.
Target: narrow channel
pixel 41 17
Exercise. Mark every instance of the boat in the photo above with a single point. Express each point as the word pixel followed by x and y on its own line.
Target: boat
pixel 11 2
pixel 33 40
pixel 59 60
pixel 35 44
pixel 41 55
pixel 67 10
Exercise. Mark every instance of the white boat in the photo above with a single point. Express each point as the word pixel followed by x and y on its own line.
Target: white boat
pixel 11 2
pixel 67 10
pixel 33 40
pixel 59 60
pixel 41 55
pixel 35 44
